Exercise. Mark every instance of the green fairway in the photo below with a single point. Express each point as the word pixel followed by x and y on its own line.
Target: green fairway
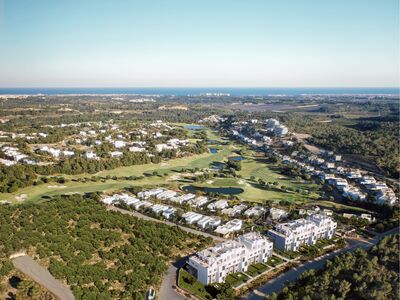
pixel 254 192
pixel 191 162
pixel 37 192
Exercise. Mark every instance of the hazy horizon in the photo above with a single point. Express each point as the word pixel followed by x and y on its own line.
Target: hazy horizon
pixel 184 91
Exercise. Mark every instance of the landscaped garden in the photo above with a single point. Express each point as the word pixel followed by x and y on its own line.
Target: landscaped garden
pixel 236 279
pixel 273 261
pixel 257 269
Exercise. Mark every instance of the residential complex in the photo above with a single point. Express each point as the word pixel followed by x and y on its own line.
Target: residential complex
pixel 291 235
pixel 215 263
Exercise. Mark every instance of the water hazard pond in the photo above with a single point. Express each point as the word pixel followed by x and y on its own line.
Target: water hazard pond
pixel 193 127
pixel 216 190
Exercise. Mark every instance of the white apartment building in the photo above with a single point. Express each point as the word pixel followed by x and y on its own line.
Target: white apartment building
pixel 354 194
pixel 229 227
pixel 116 153
pixel 280 130
pixel 169 213
pixel 254 211
pixel 150 193
pixel 277 213
pixel 136 149
pixel 143 204
pixel 220 204
pixel 271 123
pixel 168 194
pixel 119 144
pixel 199 201
pixel 215 263
pixel 183 198
pixel 208 221
pixel 159 208
pixel 161 147
pixel 191 217
pixel 90 155
pixel 233 211
pixel 291 235
pixel 129 200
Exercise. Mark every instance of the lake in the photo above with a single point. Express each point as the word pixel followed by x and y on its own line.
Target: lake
pixel 193 127
pixel 213 150
pixel 218 190
pixel 236 158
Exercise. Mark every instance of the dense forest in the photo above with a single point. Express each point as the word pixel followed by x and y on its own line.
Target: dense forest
pixel 361 274
pixel 378 140
pixel 99 253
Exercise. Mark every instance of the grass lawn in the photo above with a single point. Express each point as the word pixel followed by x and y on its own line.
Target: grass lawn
pixel 288 254
pixel 340 206
pixel 256 269
pixel 273 261
pixel 188 282
pixel 236 279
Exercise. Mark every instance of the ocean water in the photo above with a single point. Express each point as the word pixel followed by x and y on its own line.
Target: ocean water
pixel 259 91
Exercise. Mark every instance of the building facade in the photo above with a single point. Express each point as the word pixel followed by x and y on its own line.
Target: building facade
pixel 291 235
pixel 215 263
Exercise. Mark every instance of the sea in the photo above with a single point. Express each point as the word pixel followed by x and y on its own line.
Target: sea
pixel 191 91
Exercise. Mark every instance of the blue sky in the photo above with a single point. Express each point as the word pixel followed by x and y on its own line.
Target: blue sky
pixel 96 43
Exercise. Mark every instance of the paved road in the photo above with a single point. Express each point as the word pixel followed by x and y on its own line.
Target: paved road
pixel 167 289
pixel 276 284
pixel 168 286
pixel 39 274
pixel 144 217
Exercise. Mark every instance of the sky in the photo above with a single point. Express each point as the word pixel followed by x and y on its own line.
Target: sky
pixel 199 43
